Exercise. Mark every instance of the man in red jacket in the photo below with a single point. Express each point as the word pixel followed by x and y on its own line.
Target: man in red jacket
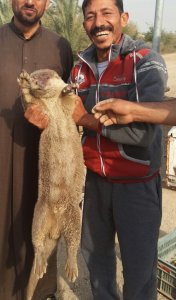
pixel 123 189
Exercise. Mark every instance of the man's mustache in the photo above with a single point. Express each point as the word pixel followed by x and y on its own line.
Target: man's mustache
pixel 97 29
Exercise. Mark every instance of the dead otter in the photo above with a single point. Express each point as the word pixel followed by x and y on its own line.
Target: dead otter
pixel 61 173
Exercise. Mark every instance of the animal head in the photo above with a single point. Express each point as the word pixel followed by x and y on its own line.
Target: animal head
pixel 46 83
pixel 46 86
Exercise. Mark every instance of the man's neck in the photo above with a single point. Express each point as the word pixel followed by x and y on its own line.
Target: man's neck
pixel 102 55
pixel 27 31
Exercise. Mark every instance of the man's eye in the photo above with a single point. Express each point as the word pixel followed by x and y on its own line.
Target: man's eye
pixel 89 17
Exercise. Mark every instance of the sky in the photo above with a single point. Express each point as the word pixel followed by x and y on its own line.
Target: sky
pixel 142 13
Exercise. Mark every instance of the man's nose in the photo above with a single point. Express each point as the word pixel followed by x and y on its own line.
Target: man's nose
pixel 99 20
pixel 30 2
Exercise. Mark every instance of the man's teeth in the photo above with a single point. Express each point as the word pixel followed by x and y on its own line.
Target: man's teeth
pixel 102 33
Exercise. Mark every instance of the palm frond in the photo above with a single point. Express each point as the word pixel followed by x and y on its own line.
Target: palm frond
pixel 65 17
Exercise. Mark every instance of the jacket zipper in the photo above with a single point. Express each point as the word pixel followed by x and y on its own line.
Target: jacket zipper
pixel 97 100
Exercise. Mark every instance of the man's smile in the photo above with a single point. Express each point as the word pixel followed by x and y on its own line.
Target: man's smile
pixel 102 33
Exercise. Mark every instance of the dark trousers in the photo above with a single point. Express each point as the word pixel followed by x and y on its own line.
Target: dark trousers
pixel 133 211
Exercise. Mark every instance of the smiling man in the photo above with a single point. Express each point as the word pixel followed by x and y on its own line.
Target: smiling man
pixel 103 35
pixel 123 188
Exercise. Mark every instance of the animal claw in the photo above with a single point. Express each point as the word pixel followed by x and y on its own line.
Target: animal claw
pixel 40 265
pixel 24 79
pixel 71 272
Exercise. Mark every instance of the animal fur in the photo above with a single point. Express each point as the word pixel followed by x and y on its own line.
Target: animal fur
pixel 61 174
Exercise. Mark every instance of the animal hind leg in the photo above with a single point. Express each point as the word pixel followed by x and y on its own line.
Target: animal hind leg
pixel 44 237
pixel 44 240
pixel 72 238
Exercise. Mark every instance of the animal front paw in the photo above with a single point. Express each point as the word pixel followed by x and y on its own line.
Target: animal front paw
pixel 24 80
pixel 71 270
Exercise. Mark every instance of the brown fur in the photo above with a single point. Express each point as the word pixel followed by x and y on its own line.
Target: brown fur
pixel 61 174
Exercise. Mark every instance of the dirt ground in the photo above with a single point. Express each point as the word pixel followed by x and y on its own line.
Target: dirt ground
pixel 80 290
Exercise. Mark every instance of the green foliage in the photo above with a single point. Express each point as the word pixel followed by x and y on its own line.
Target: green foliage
pixel 65 17
pixel 167 43
pixel 132 30
pixel 149 34
pixel 5 11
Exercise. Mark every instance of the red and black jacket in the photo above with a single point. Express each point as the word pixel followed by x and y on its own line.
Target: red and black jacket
pixel 122 153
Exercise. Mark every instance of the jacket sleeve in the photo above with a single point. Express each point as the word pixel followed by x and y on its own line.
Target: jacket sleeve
pixel 151 82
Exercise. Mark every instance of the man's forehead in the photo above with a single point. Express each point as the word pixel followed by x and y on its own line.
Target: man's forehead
pixel 25 1
pixel 100 5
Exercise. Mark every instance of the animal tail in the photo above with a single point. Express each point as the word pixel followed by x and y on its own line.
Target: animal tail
pixel 38 270
pixel 39 267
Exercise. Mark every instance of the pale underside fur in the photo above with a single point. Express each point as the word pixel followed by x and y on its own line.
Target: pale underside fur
pixel 61 174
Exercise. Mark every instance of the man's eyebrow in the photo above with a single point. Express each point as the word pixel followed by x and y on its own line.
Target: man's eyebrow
pixel 106 8
pixel 101 10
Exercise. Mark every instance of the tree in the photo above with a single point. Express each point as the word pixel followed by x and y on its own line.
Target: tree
pixel 168 40
pixel 132 30
pixel 149 34
pixel 5 12
pixel 65 17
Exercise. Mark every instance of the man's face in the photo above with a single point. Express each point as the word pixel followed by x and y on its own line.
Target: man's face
pixel 103 23
pixel 29 12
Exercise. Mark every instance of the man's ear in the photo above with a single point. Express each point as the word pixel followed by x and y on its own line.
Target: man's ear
pixel 124 19
pixel 48 3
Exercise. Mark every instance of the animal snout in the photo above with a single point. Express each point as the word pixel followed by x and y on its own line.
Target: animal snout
pixel 70 88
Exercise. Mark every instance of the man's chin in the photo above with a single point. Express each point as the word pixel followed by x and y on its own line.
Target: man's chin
pixel 102 45
pixel 103 48
pixel 27 21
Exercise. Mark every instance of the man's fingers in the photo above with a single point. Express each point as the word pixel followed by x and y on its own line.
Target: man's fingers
pixel 104 118
pixel 36 116
pixel 102 106
pixel 97 115
pixel 108 122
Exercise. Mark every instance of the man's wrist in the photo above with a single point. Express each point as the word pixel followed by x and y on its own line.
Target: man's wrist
pixel 88 121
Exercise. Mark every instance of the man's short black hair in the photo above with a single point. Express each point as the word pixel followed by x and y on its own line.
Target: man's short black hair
pixel 118 3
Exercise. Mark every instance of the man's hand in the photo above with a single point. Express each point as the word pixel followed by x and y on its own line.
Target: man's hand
pixel 83 118
pixel 36 116
pixel 79 111
pixel 114 111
